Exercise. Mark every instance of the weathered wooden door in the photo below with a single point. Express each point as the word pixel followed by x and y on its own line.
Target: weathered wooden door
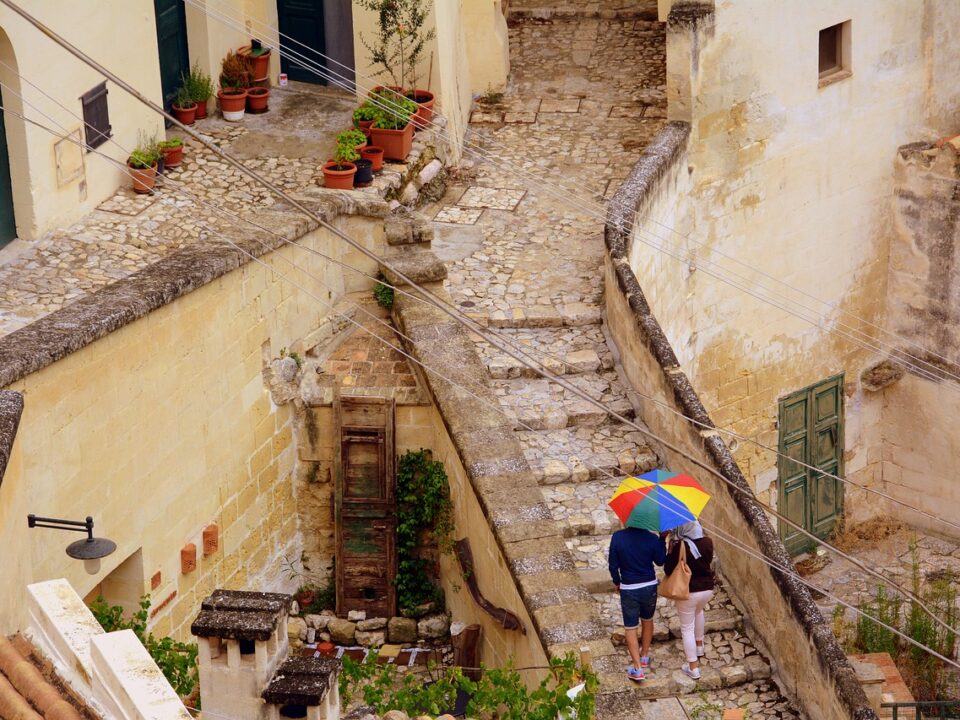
pixel 8 224
pixel 302 39
pixel 811 432
pixel 365 472
pixel 171 20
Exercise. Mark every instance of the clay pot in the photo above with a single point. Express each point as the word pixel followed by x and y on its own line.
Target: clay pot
pixel 364 175
pixel 186 114
pixel 143 178
pixel 375 155
pixel 396 144
pixel 232 104
pixel 365 126
pixel 201 110
pixel 257 100
pixel 173 156
pixel 396 88
pixel 259 64
pixel 327 649
pixel 335 179
pixel 425 101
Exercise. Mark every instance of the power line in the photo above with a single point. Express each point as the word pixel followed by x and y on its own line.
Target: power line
pixel 932 371
pixel 456 316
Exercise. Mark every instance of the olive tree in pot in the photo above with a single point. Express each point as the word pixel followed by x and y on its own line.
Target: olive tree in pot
pixel 338 173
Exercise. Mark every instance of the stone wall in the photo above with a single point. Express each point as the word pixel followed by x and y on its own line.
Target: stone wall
pixel 808 659
pixel 146 407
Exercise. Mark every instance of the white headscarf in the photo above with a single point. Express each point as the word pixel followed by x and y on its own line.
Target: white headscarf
pixel 689 532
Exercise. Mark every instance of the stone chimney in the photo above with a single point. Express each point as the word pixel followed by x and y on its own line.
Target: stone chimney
pixel 305 686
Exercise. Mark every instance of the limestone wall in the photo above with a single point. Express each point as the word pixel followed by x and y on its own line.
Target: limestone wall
pixel 782 613
pixel 152 415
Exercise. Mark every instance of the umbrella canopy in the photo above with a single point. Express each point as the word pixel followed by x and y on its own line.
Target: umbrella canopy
pixel 658 500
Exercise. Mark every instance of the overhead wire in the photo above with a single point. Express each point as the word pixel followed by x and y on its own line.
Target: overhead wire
pixel 448 311
pixel 930 371
pixel 666 502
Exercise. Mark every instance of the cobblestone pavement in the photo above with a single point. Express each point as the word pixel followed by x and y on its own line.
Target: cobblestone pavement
pixel 585 96
pixel 127 231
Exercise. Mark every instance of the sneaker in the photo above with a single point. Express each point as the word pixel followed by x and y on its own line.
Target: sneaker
pixel 635 674
pixel 692 674
pixel 645 661
pixel 699 650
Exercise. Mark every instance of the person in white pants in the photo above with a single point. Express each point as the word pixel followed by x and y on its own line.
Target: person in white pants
pixel 702 581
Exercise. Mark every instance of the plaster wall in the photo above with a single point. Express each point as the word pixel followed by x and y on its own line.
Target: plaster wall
pixel 41 201
pixel 165 426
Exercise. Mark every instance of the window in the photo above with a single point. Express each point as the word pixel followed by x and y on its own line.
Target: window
pixel 96 117
pixel 834 53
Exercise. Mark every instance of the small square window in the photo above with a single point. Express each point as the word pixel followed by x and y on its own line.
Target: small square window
pixel 834 53
pixel 96 116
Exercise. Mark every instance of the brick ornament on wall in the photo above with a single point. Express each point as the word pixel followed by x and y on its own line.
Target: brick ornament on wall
pixel 155 580
pixel 211 539
pixel 188 558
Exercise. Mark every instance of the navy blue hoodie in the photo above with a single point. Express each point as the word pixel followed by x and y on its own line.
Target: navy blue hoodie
pixel 633 553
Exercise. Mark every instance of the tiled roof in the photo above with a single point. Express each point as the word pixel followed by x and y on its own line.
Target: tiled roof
pixel 31 690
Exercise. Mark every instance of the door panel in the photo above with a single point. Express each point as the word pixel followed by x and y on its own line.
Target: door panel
pixel 301 22
pixel 8 223
pixel 172 46
pixel 811 432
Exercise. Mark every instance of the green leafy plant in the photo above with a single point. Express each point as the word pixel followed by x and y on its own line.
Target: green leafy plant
pixel 424 508
pixel 397 48
pixel 184 98
pixel 173 142
pixel 146 153
pixel 293 356
pixel 198 84
pixel 383 293
pixel 345 151
pixel 177 660
pixel 393 111
pixel 364 113
pixel 352 136
pixel 491 97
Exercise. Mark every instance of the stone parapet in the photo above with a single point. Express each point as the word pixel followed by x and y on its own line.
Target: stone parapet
pixel 808 658
pixel 11 407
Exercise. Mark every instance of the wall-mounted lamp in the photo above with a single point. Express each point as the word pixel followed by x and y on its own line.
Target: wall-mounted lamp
pixel 89 550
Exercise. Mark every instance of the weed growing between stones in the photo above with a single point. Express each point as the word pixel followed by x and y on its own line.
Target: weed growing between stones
pixel 383 293
pixel 177 660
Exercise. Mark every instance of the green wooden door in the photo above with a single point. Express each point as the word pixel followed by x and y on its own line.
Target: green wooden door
pixel 8 224
pixel 172 45
pixel 811 432
pixel 301 22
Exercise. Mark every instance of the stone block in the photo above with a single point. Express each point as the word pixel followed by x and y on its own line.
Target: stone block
pixel 576 314
pixel 318 622
pixel 342 632
pixel 297 628
pixel 356 615
pixel 402 630
pixel 371 639
pixel 434 627
pixel 371 624
pixel 582 361
pixel 396 715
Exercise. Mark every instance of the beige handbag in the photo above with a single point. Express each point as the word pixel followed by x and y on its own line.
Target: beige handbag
pixel 676 586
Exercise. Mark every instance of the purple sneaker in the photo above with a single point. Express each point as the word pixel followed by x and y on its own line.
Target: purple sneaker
pixel 635 674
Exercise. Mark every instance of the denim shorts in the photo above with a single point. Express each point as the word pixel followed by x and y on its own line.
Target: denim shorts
pixel 638 605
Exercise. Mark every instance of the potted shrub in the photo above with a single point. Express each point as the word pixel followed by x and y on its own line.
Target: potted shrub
pixel 425 101
pixel 172 150
pixel 338 173
pixel 200 87
pixel 184 107
pixel 234 81
pixel 374 154
pixel 392 129
pixel 364 116
pixel 258 60
pixel 143 165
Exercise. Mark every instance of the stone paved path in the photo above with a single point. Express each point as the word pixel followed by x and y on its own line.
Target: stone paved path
pixel 585 96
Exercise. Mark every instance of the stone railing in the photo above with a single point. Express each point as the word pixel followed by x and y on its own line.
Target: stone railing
pixel 783 614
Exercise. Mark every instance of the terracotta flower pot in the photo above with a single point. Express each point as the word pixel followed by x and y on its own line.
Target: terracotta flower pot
pixel 143 178
pixel 258 99
pixel 260 64
pixel 365 126
pixel 425 101
pixel 232 104
pixel 186 114
pixel 202 109
pixel 375 155
pixel 396 144
pixel 396 88
pixel 172 156
pixel 335 179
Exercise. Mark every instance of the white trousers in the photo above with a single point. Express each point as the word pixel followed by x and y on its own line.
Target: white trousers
pixel 690 613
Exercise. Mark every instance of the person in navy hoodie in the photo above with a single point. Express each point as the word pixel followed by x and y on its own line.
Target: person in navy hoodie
pixel 633 553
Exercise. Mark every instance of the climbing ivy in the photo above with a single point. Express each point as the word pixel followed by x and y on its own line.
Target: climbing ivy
pixel 177 660
pixel 423 506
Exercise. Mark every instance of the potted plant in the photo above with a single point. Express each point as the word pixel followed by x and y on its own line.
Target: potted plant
pixel 258 59
pixel 143 165
pixel 184 107
pixel 200 87
pixel 338 173
pixel 425 101
pixel 400 39
pixel 258 99
pixel 354 137
pixel 364 116
pixel 392 129
pixel 172 150
pixel 234 81
pixel 374 154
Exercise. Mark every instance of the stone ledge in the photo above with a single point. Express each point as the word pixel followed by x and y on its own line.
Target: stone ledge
pixel 418 264
pixel 11 408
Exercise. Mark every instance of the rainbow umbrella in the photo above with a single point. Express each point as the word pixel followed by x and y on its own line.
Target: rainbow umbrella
pixel 658 500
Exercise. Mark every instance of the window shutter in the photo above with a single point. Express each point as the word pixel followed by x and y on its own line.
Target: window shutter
pixel 96 116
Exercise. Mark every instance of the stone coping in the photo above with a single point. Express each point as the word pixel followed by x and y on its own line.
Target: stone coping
pixel 249 601
pixel 94 316
pixel 667 148
pixel 302 681
pixel 235 624
pixel 11 408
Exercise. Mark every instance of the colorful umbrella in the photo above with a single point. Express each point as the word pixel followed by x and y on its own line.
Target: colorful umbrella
pixel 658 500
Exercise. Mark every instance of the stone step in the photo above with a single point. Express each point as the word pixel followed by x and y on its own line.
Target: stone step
pixel 546 316
pixel 561 350
pixel 580 454
pixel 581 508
pixel 416 262
pixel 546 405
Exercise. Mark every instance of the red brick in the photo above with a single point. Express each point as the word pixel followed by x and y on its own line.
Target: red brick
pixel 211 539
pixel 188 558
pixel 155 580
